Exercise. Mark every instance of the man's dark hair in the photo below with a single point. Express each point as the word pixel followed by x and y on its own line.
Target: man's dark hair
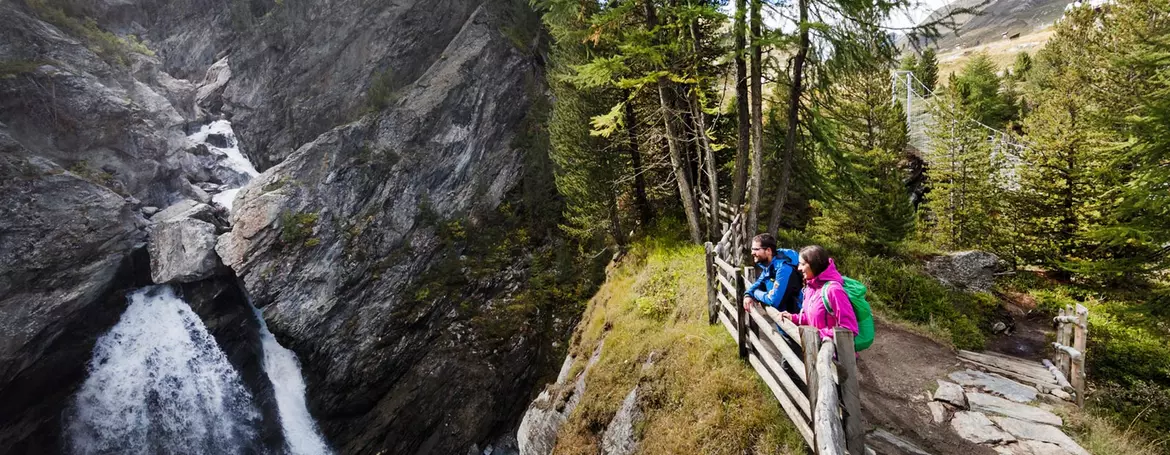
pixel 766 241
pixel 816 258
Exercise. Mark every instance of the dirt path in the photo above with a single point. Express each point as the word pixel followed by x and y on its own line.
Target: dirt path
pixel 896 374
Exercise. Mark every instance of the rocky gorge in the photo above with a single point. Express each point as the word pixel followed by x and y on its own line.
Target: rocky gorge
pixel 383 134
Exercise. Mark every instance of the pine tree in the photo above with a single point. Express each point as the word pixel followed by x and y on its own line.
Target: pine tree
pixel 876 211
pixel 587 168
pixel 964 204
pixel 978 88
pixel 927 70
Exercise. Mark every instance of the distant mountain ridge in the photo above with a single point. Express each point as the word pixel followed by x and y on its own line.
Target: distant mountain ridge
pixel 998 17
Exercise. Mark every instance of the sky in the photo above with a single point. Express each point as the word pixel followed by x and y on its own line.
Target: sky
pixel 901 19
pixel 909 18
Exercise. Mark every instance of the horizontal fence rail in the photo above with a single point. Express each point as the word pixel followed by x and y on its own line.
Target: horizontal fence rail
pixel 815 383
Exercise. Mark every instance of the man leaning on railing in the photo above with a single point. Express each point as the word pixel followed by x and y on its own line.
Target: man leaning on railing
pixel 779 284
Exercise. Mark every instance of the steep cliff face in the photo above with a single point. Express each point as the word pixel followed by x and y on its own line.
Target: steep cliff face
pixel 331 244
pixel 408 121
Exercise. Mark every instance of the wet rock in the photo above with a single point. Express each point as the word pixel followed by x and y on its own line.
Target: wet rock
pixel 1031 431
pixel 972 271
pixel 182 251
pixel 995 405
pixel 951 393
pixel 619 437
pixel 977 428
pixel 995 384
pixel 66 248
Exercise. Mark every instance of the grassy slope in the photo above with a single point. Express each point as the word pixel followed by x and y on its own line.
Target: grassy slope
pixel 698 397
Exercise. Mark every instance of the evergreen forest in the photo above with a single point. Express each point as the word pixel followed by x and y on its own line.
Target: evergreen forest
pixel 795 111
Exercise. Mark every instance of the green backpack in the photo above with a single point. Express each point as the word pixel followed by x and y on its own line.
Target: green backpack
pixel 856 292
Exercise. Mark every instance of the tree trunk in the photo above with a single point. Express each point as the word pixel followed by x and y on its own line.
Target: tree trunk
pixel 743 138
pixel 677 161
pixel 713 228
pixel 794 94
pixel 645 214
pixel 757 113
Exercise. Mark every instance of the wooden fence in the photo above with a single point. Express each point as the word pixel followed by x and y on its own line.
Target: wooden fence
pixel 1072 334
pixel 816 383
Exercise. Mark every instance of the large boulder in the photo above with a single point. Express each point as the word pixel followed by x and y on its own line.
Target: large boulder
pixel 972 271
pixel 182 243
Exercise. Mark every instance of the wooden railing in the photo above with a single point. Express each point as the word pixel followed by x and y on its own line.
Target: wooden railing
pixel 815 382
pixel 1072 334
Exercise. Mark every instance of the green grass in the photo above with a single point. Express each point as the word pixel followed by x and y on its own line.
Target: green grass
pixel 1128 358
pixel 297 229
pixel 899 289
pixel 698 397
pixel 110 47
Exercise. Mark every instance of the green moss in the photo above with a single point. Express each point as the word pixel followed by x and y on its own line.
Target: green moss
pixel 297 229
pixel 276 185
pixel 108 46
pixel 697 396
pixel 10 68
pixel 97 176
pixel 381 92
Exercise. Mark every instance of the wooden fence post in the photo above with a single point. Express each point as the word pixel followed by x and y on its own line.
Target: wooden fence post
pixel 1068 341
pixel 742 322
pixel 712 303
pixel 1061 358
pixel 810 342
pixel 827 426
pixel 1080 338
pixel 850 390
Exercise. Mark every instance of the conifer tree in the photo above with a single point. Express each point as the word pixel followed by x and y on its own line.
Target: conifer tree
pixel 978 89
pixel 964 204
pixel 876 210
pixel 927 70
pixel 587 168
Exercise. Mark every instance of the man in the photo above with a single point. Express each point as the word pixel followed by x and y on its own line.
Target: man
pixel 779 284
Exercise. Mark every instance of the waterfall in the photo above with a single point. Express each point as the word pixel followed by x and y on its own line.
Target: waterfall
pixel 220 140
pixel 284 370
pixel 159 384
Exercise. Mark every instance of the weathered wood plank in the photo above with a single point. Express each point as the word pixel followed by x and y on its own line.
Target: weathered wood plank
pixel 790 387
pixel 1080 340
pixel 811 342
pixel 777 341
pixel 728 268
pixel 850 390
pixel 712 309
pixel 1060 380
pixel 827 426
pixel 789 408
pixel 730 327
pixel 790 329
pixel 1044 386
pixel 726 284
pixel 1017 365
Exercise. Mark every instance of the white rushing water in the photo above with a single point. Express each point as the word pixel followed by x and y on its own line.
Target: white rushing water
pixel 231 156
pixel 235 158
pixel 159 384
pixel 284 370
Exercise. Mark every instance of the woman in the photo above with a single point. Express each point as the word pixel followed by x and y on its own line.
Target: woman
pixel 820 277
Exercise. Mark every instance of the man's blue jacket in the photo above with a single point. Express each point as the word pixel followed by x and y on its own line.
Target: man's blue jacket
pixel 777 280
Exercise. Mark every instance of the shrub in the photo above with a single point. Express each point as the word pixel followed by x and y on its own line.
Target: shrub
pixel 297 229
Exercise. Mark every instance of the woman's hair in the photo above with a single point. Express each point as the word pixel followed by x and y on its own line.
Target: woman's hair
pixel 816 258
